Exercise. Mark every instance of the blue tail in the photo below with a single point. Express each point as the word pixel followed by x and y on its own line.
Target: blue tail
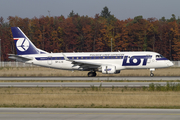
pixel 23 45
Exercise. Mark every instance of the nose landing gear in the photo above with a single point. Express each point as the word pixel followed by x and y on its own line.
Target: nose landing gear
pixel 151 72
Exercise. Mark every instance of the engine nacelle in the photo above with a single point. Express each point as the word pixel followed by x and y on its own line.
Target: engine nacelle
pixel 109 69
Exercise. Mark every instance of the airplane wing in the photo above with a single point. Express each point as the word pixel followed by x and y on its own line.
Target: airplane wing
pixel 83 64
pixel 19 58
pixel 80 63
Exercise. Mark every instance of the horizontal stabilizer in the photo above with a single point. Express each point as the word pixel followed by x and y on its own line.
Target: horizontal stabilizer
pixel 19 58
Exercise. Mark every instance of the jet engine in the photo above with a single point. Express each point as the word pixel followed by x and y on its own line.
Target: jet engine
pixel 109 70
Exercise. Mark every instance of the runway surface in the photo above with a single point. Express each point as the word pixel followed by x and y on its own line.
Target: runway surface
pixel 79 84
pixel 89 78
pixel 88 114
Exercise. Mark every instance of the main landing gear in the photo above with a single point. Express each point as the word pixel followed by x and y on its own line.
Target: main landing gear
pixel 92 74
pixel 151 72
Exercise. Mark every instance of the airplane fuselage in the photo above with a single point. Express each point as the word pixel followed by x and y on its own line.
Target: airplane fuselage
pixel 121 60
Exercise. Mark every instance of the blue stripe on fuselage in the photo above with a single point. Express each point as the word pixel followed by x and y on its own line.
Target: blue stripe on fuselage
pixel 80 58
pixel 161 58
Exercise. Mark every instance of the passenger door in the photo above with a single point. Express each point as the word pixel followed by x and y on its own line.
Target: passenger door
pixel 49 60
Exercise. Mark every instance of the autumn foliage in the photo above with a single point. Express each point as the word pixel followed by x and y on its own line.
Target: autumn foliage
pixel 85 34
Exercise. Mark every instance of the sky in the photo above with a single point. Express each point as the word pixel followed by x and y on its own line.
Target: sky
pixel 121 9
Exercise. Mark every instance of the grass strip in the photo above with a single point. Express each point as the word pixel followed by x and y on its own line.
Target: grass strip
pixel 40 71
pixel 95 97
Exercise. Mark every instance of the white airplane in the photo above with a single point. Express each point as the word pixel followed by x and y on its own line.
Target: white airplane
pixel 105 62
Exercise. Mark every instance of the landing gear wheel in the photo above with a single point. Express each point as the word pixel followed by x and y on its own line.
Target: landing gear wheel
pixel 151 74
pixel 91 74
pixel 94 74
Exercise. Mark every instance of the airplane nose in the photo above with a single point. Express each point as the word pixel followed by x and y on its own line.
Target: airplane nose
pixel 169 63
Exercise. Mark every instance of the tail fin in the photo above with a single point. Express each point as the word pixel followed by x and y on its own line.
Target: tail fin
pixel 23 45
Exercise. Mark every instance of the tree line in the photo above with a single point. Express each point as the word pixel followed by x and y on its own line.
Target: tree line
pixel 86 34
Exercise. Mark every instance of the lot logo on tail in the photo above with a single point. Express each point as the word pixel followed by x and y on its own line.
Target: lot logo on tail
pixel 22 44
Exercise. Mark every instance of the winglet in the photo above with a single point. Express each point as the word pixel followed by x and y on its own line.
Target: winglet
pixel 65 57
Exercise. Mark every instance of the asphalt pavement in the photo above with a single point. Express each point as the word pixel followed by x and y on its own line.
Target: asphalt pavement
pixel 90 78
pixel 88 114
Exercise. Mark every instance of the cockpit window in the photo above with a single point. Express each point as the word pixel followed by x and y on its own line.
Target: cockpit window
pixel 159 56
pixel 162 56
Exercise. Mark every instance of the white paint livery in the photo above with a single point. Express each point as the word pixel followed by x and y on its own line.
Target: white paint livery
pixel 105 62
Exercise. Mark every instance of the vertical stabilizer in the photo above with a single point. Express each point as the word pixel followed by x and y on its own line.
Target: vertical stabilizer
pixel 23 45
